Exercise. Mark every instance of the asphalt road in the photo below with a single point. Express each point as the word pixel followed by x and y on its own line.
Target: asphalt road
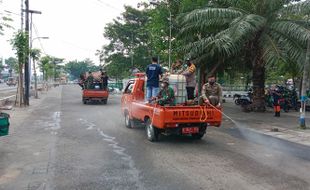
pixel 63 144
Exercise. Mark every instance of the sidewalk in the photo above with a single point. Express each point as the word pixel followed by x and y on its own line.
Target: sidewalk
pixel 19 114
pixel 263 123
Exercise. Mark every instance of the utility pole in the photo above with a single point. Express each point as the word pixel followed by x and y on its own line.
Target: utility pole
pixel 27 67
pixel 27 60
pixel 30 48
pixel 304 87
pixel 22 15
pixel 170 34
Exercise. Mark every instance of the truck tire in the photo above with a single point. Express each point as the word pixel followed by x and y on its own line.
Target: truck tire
pixel 84 101
pixel 105 101
pixel 152 132
pixel 128 121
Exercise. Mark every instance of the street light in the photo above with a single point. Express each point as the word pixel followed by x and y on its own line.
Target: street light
pixel 35 69
pixel 44 37
pixel 170 30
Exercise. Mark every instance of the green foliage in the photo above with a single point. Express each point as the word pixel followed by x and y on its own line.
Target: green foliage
pixel 48 66
pixel 12 64
pixel 20 45
pixel 35 54
pixel 75 68
pixel 129 37
pixel 4 22
pixel 261 31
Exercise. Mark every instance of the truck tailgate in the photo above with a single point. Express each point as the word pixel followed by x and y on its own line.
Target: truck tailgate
pixel 192 114
pixel 95 93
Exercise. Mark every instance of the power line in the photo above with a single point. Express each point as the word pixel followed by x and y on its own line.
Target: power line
pixel 37 34
pixel 108 5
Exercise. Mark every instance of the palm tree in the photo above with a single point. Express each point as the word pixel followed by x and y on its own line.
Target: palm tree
pixel 35 55
pixel 265 31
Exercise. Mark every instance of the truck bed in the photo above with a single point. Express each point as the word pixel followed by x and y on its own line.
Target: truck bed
pixel 169 116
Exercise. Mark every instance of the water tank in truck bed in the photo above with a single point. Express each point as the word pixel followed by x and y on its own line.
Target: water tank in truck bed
pixel 178 84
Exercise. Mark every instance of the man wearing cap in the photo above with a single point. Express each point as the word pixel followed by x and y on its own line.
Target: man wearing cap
pixel 153 71
pixel 211 92
pixel 166 94
pixel 189 74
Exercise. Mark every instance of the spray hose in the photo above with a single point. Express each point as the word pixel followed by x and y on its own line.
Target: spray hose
pixel 203 113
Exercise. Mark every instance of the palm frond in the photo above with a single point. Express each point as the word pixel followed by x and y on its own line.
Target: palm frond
pixel 203 15
pixel 207 26
pixel 305 23
pixel 246 27
pixel 293 50
pixel 292 30
pixel 301 8
pixel 272 51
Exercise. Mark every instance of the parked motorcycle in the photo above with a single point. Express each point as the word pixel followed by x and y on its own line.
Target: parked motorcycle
pixel 243 100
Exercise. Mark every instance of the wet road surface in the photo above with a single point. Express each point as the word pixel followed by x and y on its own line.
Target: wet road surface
pixel 63 144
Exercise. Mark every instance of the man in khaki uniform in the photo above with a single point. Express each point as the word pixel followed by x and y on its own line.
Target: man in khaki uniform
pixel 211 92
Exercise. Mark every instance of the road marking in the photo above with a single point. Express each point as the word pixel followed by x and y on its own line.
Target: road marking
pixel 231 144
pixel 121 151
pixel 56 121
pixel 36 153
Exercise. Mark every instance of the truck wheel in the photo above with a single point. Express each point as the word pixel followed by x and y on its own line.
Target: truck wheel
pixel 105 101
pixel 197 136
pixel 84 101
pixel 151 131
pixel 128 121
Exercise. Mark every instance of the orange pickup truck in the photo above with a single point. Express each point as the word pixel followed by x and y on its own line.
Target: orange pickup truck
pixel 95 94
pixel 181 119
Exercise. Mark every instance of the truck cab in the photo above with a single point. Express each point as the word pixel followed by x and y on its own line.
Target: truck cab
pixel 181 119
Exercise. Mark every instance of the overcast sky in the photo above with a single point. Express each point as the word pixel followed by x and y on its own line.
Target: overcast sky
pixel 74 27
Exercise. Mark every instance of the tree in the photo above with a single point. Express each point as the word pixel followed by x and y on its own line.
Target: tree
pixel 35 55
pixel 76 68
pixel 263 31
pixel 20 45
pixel 129 42
pixel 12 65
pixel 45 67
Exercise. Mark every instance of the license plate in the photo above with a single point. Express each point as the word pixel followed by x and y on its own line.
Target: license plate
pixel 190 130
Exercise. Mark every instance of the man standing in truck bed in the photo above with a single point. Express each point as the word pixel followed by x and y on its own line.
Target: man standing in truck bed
pixel 153 71
pixel 189 74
